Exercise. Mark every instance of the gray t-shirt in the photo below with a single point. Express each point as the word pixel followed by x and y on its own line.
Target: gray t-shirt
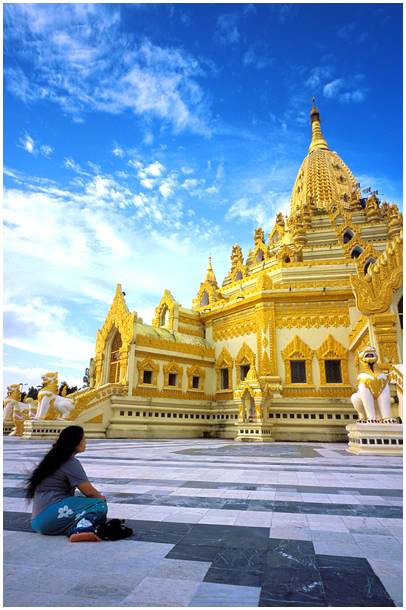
pixel 58 485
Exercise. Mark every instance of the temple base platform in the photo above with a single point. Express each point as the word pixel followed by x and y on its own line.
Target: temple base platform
pixel 375 439
pixel 250 432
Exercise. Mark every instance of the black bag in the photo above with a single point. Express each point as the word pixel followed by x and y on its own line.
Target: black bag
pixel 114 529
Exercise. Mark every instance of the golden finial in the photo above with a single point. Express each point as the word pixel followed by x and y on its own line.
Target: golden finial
pixel 210 276
pixel 318 140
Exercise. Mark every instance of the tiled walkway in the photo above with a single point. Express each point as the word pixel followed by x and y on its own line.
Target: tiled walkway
pixel 216 523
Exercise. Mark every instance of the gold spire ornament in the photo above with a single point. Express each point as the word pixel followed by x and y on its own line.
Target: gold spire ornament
pixel 318 140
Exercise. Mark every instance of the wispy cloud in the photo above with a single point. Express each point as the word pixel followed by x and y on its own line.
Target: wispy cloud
pixel 227 31
pixel 28 144
pixel 344 90
pixel 103 69
pixel 258 56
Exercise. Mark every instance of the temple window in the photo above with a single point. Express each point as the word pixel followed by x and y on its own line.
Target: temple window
pixel 114 366
pixel 347 236
pixel 298 371
pixel 164 317
pixel 333 371
pixel 238 276
pixel 286 259
pixel 356 252
pixel 195 382
pixel 244 368
pixel 204 299
pixel 172 379
pixel 400 312
pixel 260 256
pixel 369 262
pixel 147 377
pixel 224 379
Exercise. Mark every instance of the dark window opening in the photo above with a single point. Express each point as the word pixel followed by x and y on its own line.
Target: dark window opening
pixel 400 312
pixel 333 371
pixel 224 380
pixel 298 371
pixel 205 299
pixel 172 377
pixel 356 252
pixel 195 382
pixel 286 259
pixel 238 276
pixel 244 368
pixel 147 377
pixel 260 256
pixel 368 264
pixel 348 235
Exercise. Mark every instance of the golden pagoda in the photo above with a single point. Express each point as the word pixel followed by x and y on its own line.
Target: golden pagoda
pixel 272 353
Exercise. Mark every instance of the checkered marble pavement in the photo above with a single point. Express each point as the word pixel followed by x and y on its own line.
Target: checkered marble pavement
pixel 216 523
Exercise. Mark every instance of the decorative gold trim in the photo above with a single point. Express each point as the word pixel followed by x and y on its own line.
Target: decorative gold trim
pixel 168 303
pixel 173 367
pixel 120 317
pixel 297 349
pixel 224 361
pixel 331 349
pixel 195 371
pixel 147 365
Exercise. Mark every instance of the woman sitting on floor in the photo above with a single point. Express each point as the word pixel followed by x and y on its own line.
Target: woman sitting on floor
pixel 56 508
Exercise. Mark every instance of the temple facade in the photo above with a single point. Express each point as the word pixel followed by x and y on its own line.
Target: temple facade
pixel 271 352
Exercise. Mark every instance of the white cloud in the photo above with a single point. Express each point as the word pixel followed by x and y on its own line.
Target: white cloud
pixel 28 144
pixel 353 96
pixel 118 151
pixel 227 29
pixel 46 150
pixel 103 68
pixel 262 211
pixel 332 88
pixel 155 169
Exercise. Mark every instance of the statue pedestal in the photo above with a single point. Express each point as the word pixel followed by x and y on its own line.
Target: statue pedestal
pixel 375 439
pixel 250 432
pixel 44 428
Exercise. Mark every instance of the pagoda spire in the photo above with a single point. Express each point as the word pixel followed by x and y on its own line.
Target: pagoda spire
pixel 318 140
pixel 210 276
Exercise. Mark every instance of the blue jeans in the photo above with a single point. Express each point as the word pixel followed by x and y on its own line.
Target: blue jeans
pixel 71 515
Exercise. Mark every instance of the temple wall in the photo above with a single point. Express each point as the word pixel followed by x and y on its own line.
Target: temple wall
pixel 313 337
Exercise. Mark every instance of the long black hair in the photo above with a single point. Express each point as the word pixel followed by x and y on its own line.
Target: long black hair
pixel 61 451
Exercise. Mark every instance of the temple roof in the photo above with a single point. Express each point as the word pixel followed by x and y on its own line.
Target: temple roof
pixel 323 177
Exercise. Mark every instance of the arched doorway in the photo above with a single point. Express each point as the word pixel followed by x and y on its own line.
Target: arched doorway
pixel 114 364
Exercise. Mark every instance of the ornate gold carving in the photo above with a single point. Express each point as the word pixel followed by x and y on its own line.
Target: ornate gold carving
pixel 362 322
pixel 168 393
pixel 311 316
pixel 186 348
pixel 245 356
pixel 169 305
pixel 120 317
pixel 224 361
pixel 90 398
pixel 195 371
pixel 297 349
pixel 234 327
pixel 148 365
pixel 374 290
pixel 385 331
pixel 331 349
pixel 173 367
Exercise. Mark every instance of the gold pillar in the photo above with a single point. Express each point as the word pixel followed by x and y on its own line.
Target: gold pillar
pixel 385 334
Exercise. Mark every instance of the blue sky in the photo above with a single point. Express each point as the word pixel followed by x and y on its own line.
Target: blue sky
pixel 139 139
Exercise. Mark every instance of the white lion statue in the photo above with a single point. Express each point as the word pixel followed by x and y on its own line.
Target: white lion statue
pixel 50 404
pixel 373 386
pixel 16 411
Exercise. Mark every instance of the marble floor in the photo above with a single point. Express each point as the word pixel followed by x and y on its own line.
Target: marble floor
pixel 215 523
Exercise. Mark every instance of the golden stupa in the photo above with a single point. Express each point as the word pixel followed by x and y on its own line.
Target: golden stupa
pixel 272 353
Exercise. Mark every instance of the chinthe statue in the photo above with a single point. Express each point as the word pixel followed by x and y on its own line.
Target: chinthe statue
pixel 372 400
pixel 17 411
pixel 50 404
